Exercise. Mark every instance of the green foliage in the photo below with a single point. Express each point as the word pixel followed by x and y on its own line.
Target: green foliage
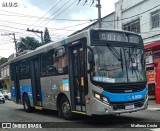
pixel 3 60
pixel 47 37
pixel 27 43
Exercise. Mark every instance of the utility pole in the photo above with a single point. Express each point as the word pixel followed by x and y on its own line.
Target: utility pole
pixel 14 38
pixel 98 5
pixel 99 13
pixel 36 31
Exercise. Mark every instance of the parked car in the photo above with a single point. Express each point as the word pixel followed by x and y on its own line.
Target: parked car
pixel 2 99
pixel 6 94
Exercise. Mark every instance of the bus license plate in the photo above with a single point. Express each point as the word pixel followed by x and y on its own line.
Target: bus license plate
pixel 129 106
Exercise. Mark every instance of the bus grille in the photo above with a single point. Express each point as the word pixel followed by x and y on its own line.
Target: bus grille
pixel 125 89
pixel 118 106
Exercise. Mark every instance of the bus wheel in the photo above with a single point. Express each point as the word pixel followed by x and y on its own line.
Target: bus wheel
pixel 26 103
pixel 65 109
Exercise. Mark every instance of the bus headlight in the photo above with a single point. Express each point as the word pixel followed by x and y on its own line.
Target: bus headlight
pixel 97 96
pixel 105 99
pixel 100 97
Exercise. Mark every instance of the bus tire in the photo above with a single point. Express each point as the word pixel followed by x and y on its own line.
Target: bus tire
pixel 65 109
pixel 26 103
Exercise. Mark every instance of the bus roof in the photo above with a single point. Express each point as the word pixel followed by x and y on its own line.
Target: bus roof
pixel 51 45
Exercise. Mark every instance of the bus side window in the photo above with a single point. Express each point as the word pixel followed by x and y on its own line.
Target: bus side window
pixel 61 61
pixel 24 70
pixel 47 67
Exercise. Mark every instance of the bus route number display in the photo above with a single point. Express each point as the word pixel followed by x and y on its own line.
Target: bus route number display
pixel 109 36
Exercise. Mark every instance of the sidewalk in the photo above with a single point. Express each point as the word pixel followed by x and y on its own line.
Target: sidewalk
pixel 153 106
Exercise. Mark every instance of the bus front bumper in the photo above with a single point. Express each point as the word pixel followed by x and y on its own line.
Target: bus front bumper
pixel 100 108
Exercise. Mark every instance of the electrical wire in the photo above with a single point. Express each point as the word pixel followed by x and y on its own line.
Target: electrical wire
pixel 37 17
pixel 55 11
pixel 61 12
pixel 134 15
pixel 48 11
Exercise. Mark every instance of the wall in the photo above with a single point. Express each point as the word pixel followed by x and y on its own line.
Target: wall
pixel 5 71
pixel 107 22
pixel 125 9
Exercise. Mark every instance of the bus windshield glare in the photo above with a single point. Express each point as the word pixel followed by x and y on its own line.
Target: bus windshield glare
pixel 118 64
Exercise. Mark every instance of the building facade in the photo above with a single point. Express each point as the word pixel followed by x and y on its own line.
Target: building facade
pixel 4 80
pixel 4 74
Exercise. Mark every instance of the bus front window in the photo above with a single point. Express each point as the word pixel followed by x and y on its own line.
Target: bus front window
pixel 118 64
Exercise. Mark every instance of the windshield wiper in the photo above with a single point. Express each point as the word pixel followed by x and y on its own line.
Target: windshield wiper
pixel 113 51
pixel 121 59
pixel 116 54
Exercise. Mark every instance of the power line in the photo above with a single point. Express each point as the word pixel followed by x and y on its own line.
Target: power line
pixel 133 15
pixel 30 25
pixel 56 11
pixel 51 28
pixel 6 49
pixel 14 38
pixel 47 11
pixel 37 17
pixel 29 34
pixel 61 12
pixel 151 36
pixel 17 32
pixel 22 15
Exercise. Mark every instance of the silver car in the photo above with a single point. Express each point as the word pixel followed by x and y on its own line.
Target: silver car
pixel 2 99
pixel 6 94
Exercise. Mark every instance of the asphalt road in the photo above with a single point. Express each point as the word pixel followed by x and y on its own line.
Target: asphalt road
pixel 11 112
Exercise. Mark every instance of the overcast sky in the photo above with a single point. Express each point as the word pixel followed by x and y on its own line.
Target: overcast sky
pixel 35 17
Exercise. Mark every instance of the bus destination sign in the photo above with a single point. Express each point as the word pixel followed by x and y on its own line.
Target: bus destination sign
pixel 118 37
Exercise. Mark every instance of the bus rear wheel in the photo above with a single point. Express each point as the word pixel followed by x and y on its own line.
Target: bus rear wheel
pixel 26 103
pixel 65 109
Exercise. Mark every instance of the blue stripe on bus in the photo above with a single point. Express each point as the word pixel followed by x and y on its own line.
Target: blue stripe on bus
pixel 42 95
pixel 13 92
pixel 124 97
pixel 26 89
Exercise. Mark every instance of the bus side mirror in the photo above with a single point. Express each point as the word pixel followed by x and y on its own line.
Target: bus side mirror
pixel 90 55
pixel 60 52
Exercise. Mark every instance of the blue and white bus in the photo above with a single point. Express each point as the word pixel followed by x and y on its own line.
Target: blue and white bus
pixel 95 72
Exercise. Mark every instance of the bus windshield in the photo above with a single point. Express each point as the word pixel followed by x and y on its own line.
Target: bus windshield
pixel 120 64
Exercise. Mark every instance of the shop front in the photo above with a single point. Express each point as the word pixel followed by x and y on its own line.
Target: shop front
pixel 153 70
pixel 4 83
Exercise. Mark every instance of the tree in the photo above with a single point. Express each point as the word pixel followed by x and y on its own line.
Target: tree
pixel 27 43
pixel 47 37
pixel 3 60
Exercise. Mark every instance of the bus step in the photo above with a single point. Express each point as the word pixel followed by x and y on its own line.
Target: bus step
pixel 38 107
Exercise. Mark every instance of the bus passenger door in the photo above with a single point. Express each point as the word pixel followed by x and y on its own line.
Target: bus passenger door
pixel 35 79
pixel 77 77
pixel 16 83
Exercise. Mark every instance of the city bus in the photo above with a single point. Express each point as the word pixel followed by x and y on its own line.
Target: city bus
pixel 94 72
